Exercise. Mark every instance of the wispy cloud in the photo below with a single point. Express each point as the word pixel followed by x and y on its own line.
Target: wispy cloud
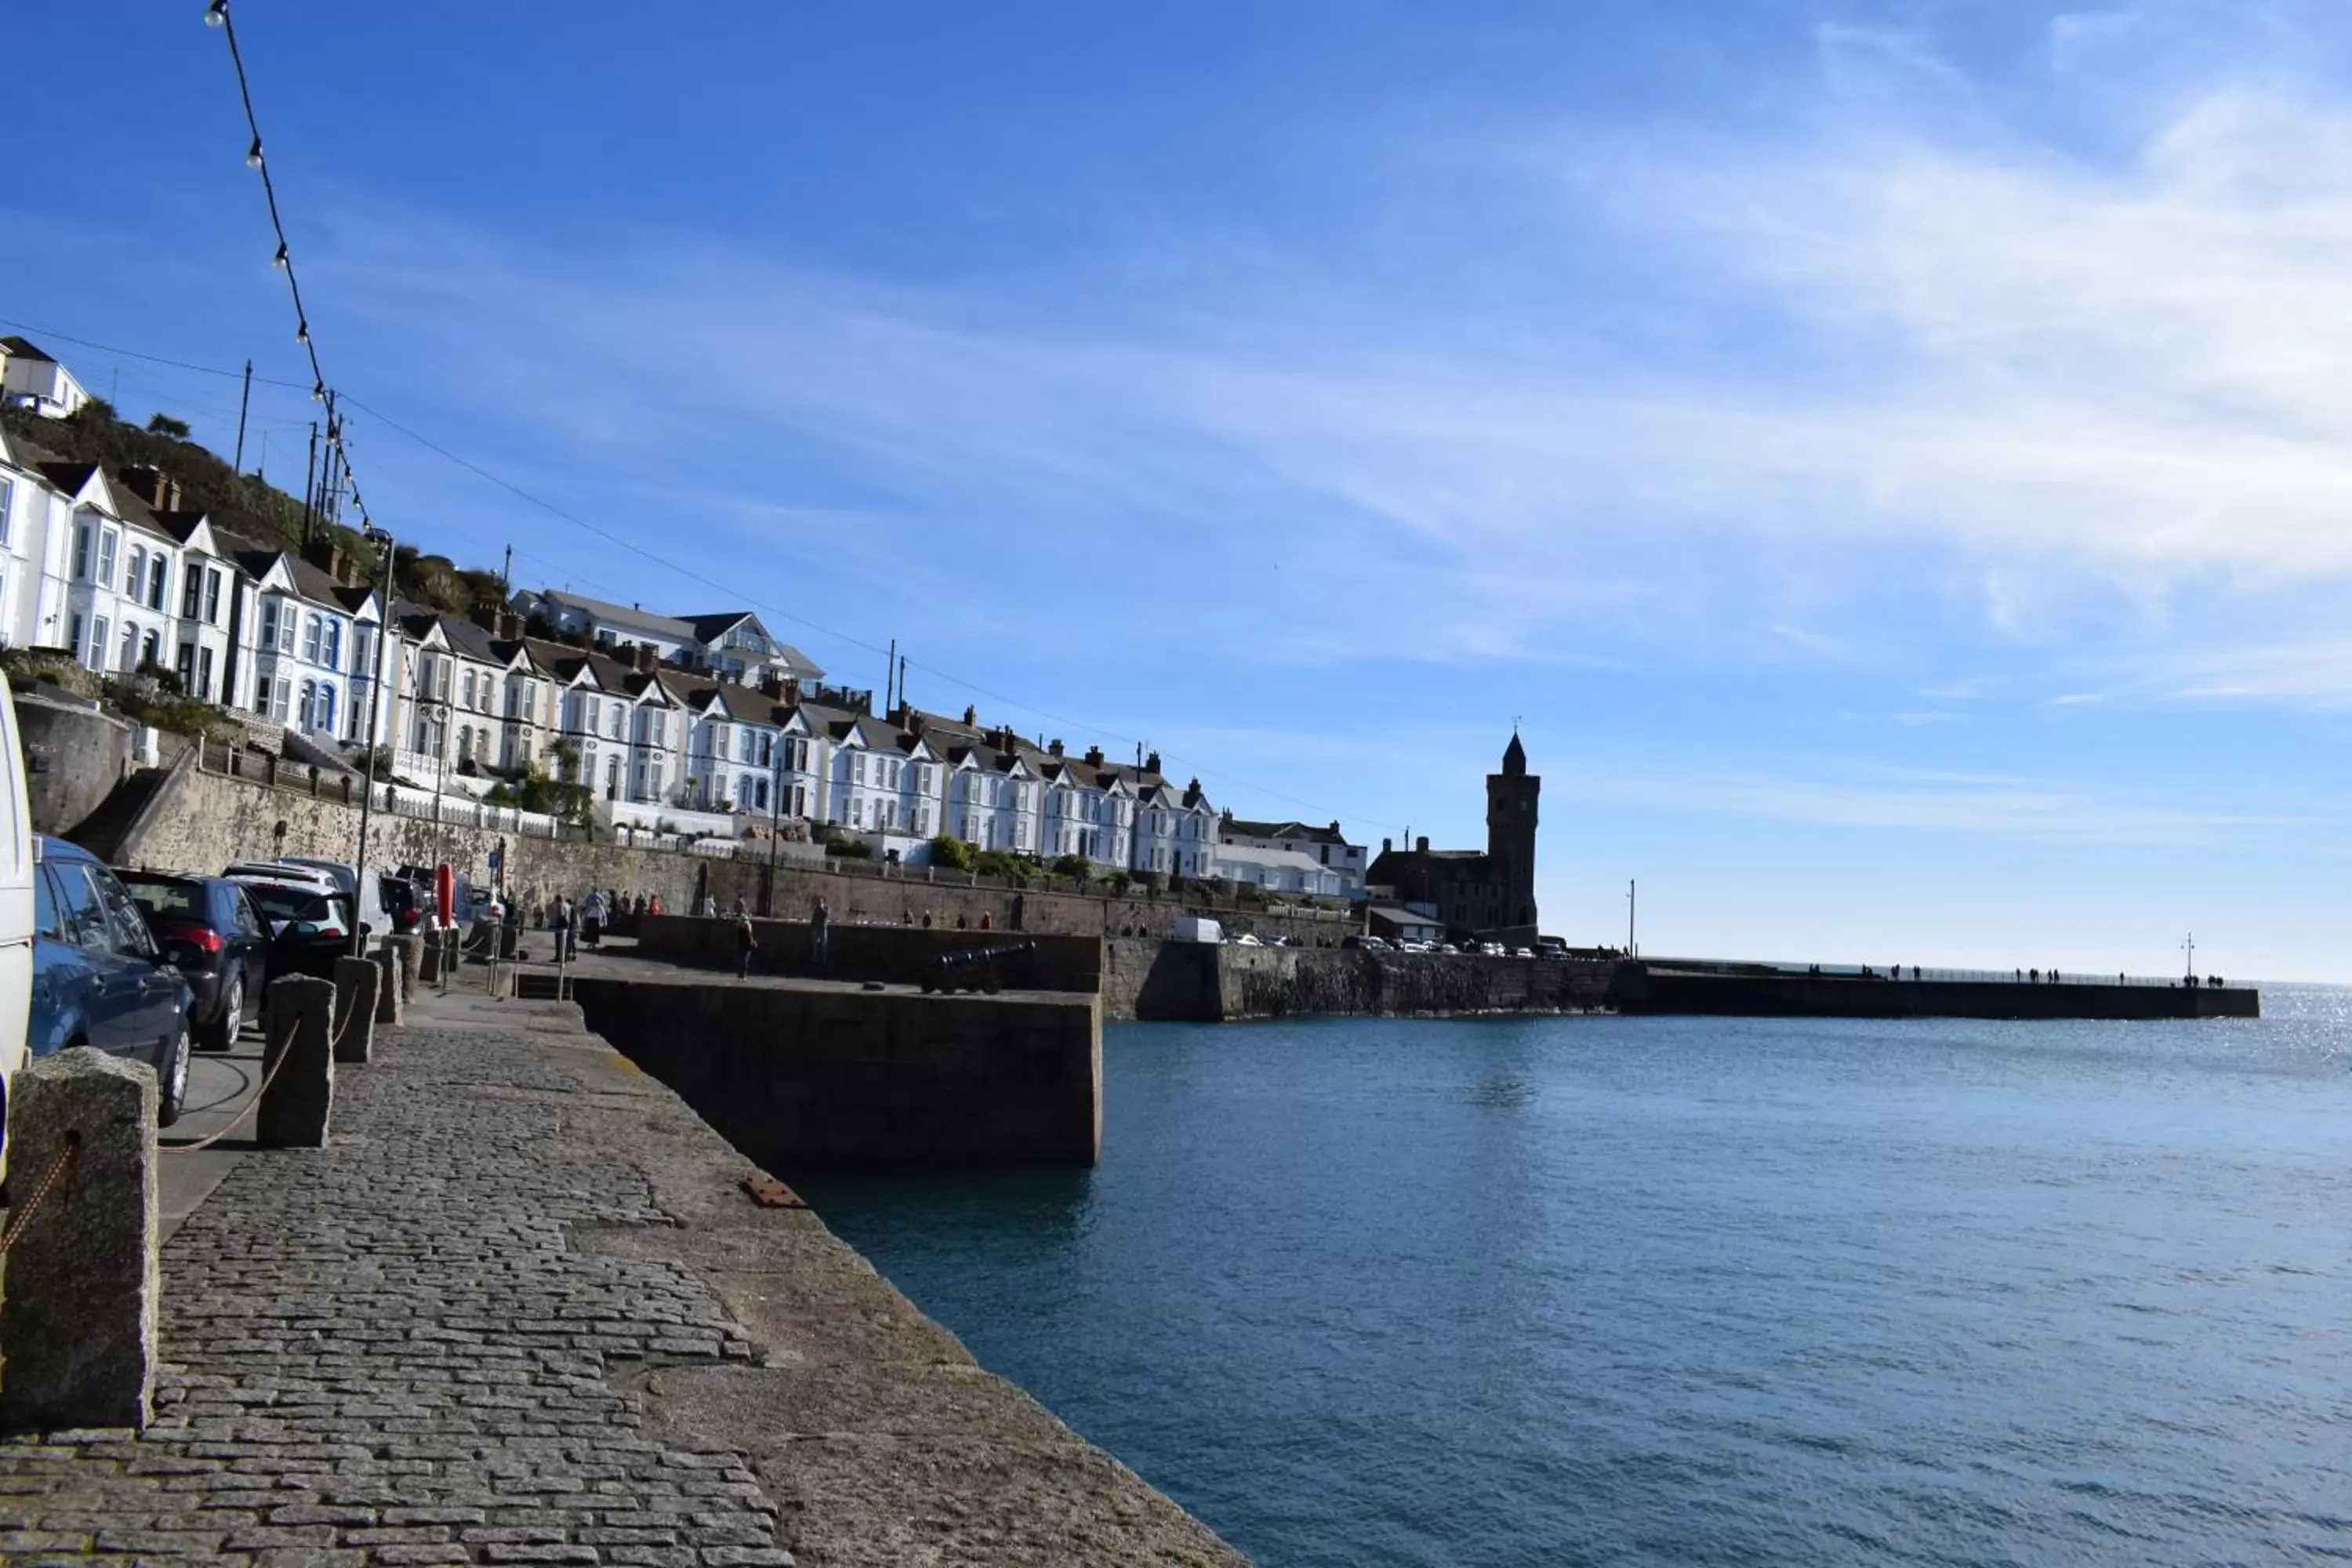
pixel 1931 802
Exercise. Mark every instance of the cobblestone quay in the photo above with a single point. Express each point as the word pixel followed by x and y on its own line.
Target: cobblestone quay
pixel 522 1310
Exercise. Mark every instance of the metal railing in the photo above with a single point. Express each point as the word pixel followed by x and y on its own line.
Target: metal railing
pixel 1776 969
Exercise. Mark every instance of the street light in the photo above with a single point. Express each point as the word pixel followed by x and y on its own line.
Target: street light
pixel 373 535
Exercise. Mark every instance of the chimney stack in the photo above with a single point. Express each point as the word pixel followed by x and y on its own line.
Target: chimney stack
pixel 1094 756
pixel 1054 749
pixel 1387 845
pixel 971 715
pixel 1420 845
pixel 153 486
pixel 1151 763
pixel 647 655
pixel 792 690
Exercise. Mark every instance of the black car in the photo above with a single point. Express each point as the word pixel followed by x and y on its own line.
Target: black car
pixel 308 930
pixel 212 934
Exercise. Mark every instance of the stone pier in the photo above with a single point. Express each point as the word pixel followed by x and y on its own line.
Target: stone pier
pixel 522 1309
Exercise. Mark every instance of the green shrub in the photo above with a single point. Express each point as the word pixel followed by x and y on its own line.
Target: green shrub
pixel 951 852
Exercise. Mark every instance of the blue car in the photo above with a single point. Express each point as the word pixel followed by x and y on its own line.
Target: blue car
pixel 99 979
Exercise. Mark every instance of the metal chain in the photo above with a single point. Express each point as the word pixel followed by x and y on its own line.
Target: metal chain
pixel 57 1167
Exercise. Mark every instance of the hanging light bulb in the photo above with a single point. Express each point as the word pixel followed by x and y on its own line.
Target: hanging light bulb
pixel 301 331
pixel 253 154
pixel 216 13
pixel 280 260
pixel 318 392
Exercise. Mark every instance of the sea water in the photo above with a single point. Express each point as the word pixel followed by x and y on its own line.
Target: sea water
pixel 1665 1291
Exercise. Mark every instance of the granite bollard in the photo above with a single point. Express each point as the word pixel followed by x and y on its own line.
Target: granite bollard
pixel 84 1284
pixel 355 986
pixel 387 991
pixel 297 1098
pixel 428 961
pixel 404 950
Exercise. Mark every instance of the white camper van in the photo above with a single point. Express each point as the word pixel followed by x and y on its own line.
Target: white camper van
pixel 17 875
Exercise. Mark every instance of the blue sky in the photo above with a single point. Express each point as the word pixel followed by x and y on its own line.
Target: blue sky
pixel 1891 458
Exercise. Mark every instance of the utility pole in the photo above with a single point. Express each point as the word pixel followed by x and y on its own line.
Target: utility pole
pixel 2190 947
pixel 375 705
pixel 244 401
pixel 309 484
pixel 775 813
pixel 890 679
pixel 1632 907
pixel 506 579
pixel 902 680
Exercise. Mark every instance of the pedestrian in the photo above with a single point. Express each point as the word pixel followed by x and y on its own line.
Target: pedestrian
pixel 987 921
pixel 927 919
pixel 745 941
pixel 709 907
pixel 653 905
pixel 820 932
pixel 963 922
pixel 591 916
pixel 739 911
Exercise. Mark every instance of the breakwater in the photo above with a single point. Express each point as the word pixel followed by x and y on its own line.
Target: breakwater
pixel 1755 991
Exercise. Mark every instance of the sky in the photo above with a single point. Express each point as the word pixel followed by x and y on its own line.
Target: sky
pixel 1889 457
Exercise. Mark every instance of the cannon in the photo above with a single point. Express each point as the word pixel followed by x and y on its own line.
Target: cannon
pixel 972 968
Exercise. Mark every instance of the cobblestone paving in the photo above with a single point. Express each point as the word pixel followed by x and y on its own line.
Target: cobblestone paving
pixel 386 1353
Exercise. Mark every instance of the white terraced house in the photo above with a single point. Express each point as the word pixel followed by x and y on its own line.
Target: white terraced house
pixel 472 703
pixel 317 643
pixel 32 577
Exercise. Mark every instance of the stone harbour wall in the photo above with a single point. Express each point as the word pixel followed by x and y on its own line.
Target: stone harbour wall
pixel 903 955
pixel 200 821
pixel 817 1078
pixel 1223 983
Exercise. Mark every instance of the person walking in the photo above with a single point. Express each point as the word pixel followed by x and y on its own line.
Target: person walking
pixel 709 907
pixel 739 911
pixel 746 941
pixel 820 934
pixel 591 918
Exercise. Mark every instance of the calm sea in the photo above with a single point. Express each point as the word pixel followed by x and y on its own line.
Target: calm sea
pixel 1690 1292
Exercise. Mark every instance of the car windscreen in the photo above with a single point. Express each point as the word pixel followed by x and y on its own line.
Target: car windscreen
pixel 277 901
pixel 164 899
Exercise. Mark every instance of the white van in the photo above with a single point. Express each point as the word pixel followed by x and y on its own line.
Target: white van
pixel 17 874
pixel 366 893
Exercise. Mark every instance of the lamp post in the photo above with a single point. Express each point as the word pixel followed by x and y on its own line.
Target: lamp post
pixel 373 535
pixel 775 813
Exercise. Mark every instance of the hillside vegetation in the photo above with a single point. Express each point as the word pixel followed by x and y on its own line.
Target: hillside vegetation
pixel 240 504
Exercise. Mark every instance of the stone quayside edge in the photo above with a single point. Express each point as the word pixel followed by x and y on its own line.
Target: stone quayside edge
pixel 521 1311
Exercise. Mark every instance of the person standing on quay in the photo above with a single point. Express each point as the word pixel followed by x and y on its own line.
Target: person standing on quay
pixel 745 942
pixel 820 934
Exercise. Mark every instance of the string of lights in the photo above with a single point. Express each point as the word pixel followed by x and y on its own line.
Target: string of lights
pixel 338 452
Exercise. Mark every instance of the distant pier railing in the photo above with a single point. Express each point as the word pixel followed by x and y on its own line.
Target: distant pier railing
pixel 1774 969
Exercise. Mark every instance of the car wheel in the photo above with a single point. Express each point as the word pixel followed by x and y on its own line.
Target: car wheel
pixel 221 1036
pixel 172 1077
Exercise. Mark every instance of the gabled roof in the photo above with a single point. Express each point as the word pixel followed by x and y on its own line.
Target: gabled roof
pixel 22 348
pixel 1244 828
pixel 624 617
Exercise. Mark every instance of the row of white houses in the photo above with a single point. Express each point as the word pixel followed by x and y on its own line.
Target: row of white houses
pixel 702 721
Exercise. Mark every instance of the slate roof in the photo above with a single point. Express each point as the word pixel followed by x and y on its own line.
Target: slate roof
pixel 625 616
pixel 1247 830
pixel 22 348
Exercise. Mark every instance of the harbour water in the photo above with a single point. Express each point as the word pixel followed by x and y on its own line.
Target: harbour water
pixel 1662 1291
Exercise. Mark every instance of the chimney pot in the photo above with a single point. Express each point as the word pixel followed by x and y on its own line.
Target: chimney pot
pixel 1387 845
pixel 971 714
pixel 1054 750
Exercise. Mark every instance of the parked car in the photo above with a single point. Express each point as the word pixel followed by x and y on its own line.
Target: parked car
pixel 308 930
pixel 1491 949
pixel 1523 952
pixel 210 930
pixel 99 979
pixel 1247 939
pixel 1368 943
pixel 365 893
pixel 18 875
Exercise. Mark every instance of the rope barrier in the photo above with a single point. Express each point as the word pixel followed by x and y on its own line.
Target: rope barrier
pixel 65 1158
pixel 267 1078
